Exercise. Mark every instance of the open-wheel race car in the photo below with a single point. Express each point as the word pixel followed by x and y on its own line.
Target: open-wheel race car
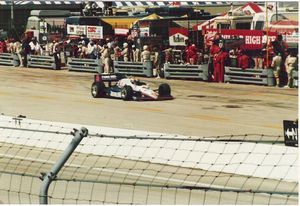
pixel 122 87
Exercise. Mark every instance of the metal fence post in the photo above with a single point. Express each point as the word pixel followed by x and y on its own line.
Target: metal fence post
pixel 47 178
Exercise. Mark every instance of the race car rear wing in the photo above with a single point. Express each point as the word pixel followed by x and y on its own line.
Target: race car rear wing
pixel 108 77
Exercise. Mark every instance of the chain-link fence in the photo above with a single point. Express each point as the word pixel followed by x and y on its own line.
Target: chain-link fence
pixel 145 169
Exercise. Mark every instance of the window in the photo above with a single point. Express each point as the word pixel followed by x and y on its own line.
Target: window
pixel 259 25
pixel 223 26
pixel 243 25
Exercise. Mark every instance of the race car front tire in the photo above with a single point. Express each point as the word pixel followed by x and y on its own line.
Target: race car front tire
pixel 98 89
pixel 164 90
pixel 126 93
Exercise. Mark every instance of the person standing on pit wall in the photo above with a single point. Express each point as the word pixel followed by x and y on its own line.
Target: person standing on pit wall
pixel 291 63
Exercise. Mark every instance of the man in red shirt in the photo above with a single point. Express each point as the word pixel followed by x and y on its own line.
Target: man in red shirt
pixel 243 60
pixel 220 61
pixel 3 47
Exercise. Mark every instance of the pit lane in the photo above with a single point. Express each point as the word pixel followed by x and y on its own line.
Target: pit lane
pixel 199 108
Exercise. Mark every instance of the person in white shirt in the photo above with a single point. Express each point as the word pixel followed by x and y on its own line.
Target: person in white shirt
pixel 35 47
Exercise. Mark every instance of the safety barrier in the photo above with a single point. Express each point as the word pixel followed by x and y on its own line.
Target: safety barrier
pixel 249 76
pixel 133 68
pixel 85 65
pixel 295 78
pixel 180 71
pixel 9 59
pixel 37 61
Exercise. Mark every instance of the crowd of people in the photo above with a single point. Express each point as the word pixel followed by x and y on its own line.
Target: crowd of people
pixel 279 57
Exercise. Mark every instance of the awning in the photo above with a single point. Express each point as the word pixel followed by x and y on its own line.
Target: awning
pixel 248 9
pixel 115 3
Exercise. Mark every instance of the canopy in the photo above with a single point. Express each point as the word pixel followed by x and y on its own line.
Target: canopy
pixel 247 9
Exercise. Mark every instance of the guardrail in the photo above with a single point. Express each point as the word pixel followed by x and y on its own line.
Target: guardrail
pixel 9 59
pixel 85 65
pixel 180 71
pixel 295 78
pixel 249 76
pixel 38 61
pixel 133 68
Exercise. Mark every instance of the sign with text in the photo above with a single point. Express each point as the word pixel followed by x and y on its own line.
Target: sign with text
pixel 290 130
pixel 252 38
pixel 144 32
pixel 94 32
pixel 121 31
pixel 178 36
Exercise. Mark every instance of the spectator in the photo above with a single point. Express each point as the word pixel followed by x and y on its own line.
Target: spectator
pixel 158 62
pixel 291 63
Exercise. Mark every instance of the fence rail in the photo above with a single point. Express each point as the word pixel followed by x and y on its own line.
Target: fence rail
pixel 85 65
pixel 37 61
pixel 249 76
pixel 8 59
pixel 133 68
pixel 180 71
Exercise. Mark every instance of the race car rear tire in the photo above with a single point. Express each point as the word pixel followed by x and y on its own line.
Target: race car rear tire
pixel 98 89
pixel 126 93
pixel 164 90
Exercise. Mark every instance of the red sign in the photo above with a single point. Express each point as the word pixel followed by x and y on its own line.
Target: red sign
pixel 178 36
pixel 253 38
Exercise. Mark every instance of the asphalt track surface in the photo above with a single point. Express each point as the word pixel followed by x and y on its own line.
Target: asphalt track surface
pixel 199 108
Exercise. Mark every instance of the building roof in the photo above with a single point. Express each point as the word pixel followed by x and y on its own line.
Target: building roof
pixel 115 3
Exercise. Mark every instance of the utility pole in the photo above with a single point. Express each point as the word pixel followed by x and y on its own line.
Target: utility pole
pixel 12 15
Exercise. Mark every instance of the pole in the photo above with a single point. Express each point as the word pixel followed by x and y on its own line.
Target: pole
pixel 267 31
pixel 12 15
pixel 50 176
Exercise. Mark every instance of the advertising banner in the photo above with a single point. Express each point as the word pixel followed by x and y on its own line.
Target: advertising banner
pixel 94 32
pixel 252 38
pixel 144 31
pixel 178 36
pixel 121 31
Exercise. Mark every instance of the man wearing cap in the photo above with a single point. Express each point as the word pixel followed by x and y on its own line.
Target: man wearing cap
pixel 125 52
